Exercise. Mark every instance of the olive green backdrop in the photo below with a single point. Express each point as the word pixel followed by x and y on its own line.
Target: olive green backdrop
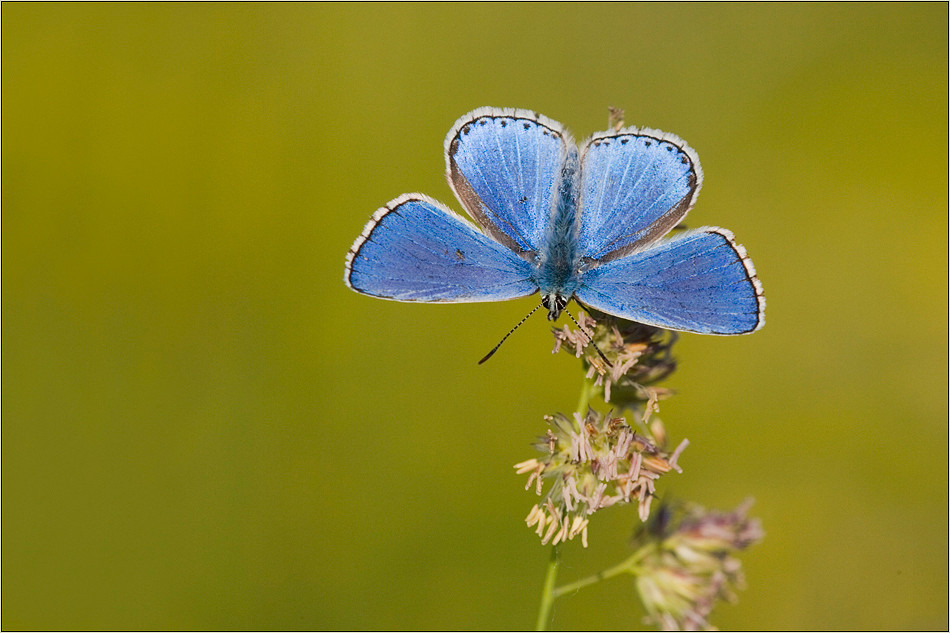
pixel 203 428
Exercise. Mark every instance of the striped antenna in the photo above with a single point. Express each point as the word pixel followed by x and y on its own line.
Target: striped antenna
pixel 495 349
pixel 535 309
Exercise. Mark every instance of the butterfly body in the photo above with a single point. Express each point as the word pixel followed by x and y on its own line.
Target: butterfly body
pixel 584 223
pixel 557 265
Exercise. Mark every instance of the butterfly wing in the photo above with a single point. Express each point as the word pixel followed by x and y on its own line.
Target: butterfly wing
pixel 504 165
pixel 701 281
pixel 636 185
pixel 416 249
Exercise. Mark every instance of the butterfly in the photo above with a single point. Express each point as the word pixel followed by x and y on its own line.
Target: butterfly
pixel 585 223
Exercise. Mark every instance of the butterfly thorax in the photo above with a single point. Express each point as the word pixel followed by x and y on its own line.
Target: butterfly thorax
pixel 557 262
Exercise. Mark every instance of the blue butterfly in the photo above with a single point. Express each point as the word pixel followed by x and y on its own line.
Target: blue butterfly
pixel 569 223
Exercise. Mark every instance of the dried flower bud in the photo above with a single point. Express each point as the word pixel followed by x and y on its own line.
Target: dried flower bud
pixel 639 356
pixel 685 563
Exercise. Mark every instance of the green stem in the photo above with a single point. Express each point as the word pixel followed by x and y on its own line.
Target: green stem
pixel 547 593
pixel 628 566
pixel 587 390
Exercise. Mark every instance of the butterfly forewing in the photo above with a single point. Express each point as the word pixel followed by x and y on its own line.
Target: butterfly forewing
pixel 504 165
pixel 415 249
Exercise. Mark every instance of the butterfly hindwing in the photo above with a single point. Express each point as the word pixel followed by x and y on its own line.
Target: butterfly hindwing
pixel 504 166
pixel 415 249
pixel 636 185
pixel 700 281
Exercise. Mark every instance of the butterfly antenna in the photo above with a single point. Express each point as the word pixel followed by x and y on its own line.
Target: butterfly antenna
pixel 589 338
pixel 495 349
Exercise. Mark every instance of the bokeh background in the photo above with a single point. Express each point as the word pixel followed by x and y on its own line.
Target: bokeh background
pixel 203 428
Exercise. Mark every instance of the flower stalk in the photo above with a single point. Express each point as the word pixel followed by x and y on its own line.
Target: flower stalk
pixel 629 566
pixel 547 592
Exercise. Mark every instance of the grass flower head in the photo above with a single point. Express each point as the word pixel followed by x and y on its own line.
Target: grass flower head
pixel 592 463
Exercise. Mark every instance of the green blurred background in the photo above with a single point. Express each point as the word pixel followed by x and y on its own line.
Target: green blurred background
pixel 203 428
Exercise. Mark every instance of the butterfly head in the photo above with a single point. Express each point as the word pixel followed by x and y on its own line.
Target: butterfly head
pixel 554 304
